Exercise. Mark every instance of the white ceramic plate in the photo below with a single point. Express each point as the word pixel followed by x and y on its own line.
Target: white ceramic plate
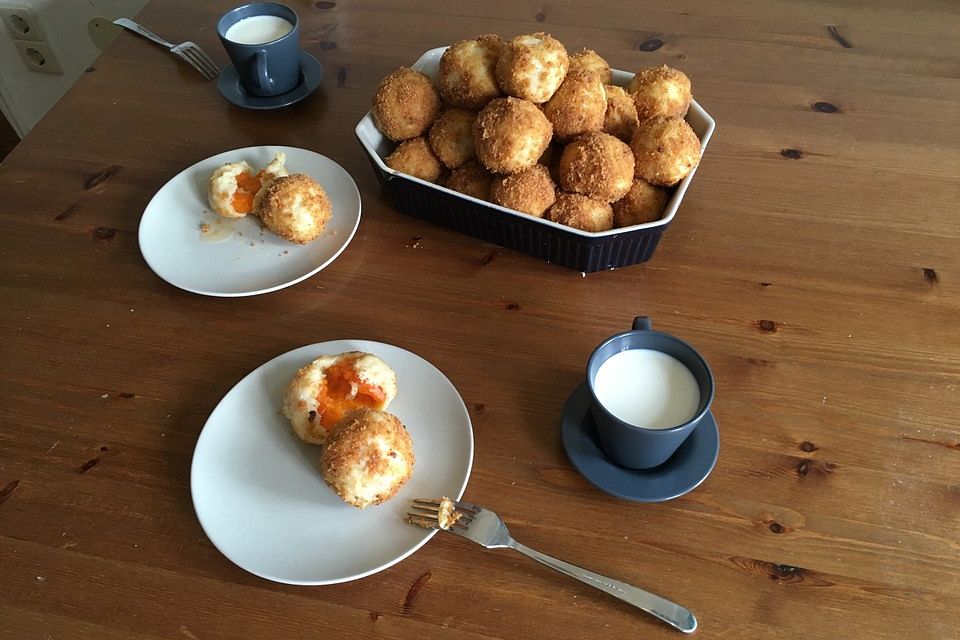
pixel 259 496
pixel 239 258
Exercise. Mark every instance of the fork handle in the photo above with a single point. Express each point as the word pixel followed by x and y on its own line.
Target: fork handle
pixel 126 23
pixel 671 613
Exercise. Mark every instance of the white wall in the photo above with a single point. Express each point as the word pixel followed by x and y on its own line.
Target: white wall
pixel 25 96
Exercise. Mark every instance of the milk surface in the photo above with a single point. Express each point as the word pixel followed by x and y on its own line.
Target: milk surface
pixel 258 30
pixel 647 388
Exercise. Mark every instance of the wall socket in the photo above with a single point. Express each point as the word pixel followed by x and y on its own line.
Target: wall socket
pixel 38 57
pixel 27 32
pixel 22 23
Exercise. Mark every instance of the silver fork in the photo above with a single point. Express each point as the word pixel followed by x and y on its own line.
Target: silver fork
pixel 486 528
pixel 189 51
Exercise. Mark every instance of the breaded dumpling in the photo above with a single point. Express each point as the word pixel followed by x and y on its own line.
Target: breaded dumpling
pixel 405 104
pixel 660 91
pixel 468 72
pixel 451 137
pixel 621 117
pixel 590 60
pixel 510 135
pixel 324 391
pixel 665 149
pixel 578 106
pixel 551 160
pixel 530 191
pixel 597 165
pixel 367 458
pixel 643 203
pixel 295 207
pixel 232 188
pixel 472 179
pixel 276 169
pixel 532 67
pixel 581 212
pixel 415 158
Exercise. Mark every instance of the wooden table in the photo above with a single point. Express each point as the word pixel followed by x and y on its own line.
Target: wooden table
pixel 815 263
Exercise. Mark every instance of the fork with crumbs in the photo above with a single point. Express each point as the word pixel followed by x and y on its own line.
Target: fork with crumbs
pixel 486 528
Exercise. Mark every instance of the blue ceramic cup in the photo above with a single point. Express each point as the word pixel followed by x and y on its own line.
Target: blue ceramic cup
pixel 269 68
pixel 637 447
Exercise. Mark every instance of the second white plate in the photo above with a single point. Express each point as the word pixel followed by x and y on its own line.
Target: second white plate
pixel 257 489
pixel 239 258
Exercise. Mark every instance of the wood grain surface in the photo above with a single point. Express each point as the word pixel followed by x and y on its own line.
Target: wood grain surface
pixel 815 262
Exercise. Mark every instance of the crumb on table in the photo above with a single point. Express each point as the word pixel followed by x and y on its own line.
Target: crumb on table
pixel 204 227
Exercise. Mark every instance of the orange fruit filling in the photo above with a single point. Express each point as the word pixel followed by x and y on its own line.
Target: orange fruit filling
pixel 247 187
pixel 343 390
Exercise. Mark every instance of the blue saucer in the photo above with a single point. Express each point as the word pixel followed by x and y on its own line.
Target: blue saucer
pixel 311 72
pixel 682 472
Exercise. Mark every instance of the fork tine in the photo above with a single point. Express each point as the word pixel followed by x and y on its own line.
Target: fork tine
pixel 425 512
pixel 206 61
pixel 190 55
pixel 467 507
pixel 184 54
pixel 422 521
pixel 205 69
pixel 432 505
pixel 428 514
pixel 205 58
pixel 427 505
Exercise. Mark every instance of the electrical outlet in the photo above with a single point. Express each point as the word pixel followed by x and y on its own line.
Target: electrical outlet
pixel 39 57
pixel 22 23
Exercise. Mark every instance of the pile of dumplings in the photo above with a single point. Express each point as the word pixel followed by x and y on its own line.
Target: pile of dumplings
pixel 526 126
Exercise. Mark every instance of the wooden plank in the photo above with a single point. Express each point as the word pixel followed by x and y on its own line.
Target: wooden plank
pixel 814 263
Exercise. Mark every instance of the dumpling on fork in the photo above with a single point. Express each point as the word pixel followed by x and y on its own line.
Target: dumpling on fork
pixel 447 516
pixel 235 187
pixel 433 514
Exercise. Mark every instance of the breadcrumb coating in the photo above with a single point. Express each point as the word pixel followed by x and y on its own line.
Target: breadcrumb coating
pixel 295 207
pixel 531 191
pixel 621 117
pixel 643 203
pixel 590 60
pixel 578 106
pixel 665 149
pixel 532 66
pixel 468 72
pixel 597 165
pixel 472 179
pixel 660 91
pixel 451 137
pixel 415 158
pixel 510 135
pixel 367 458
pixel 405 104
pixel 581 212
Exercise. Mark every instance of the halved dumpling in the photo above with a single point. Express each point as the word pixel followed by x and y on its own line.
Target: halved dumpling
pixel 324 391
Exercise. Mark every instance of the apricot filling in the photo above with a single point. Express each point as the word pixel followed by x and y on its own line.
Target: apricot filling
pixel 247 187
pixel 343 390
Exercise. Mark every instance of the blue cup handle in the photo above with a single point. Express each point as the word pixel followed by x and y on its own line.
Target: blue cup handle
pixel 641 323
pixel 263 79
